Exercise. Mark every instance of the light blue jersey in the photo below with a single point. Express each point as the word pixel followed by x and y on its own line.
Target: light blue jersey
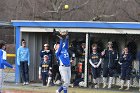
pixel 23 55
pixel 62 53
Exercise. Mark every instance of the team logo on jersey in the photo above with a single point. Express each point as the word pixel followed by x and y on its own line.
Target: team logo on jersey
pixel 44 65
pixel 94 57
pixel 63 44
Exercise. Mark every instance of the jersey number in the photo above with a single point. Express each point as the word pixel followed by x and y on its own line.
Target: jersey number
pixel 66 55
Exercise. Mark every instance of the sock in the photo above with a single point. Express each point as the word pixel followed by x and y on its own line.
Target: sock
pixel 60 89
pixel 49 80
pixel 65 89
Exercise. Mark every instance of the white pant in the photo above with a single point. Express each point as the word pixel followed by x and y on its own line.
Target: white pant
pixel 65 73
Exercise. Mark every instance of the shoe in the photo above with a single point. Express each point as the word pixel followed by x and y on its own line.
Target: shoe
pixel 122 84
pixel 24 83
pixel 104 85
pixel 27 83
pixel 110 82
pixel 71 85
pixel 48 85
pixel 96 86
pixel 128 85
pixel 109 87
pixel 57 91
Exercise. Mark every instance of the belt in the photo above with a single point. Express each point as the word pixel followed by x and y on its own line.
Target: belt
pixel 44 71
pixel 65 65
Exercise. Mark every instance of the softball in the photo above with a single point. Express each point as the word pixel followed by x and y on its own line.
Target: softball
pixel 66 6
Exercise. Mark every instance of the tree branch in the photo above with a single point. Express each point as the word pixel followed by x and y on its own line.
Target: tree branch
pixel 138 2
pixel 56 8
pixel 77 7
pixel 98 17
pixel 129 15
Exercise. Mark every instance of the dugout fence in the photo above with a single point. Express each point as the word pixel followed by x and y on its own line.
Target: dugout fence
pixel 36 33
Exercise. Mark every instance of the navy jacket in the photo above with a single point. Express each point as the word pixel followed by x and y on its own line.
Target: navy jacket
pixel 110 58
pixel 127 61
pixel 48 53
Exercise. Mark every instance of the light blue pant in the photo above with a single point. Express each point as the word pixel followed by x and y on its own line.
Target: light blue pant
pixel 65 73
pixel 1 79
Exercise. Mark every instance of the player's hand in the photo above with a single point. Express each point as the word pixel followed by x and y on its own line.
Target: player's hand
pixel 120 63
pixel 103 53
pixel 40 77
pixel 95 66
pixel 50 72
pixel 123 51
pixel 63 33
pixel 14 68
pixel 124 56
pixel 72 61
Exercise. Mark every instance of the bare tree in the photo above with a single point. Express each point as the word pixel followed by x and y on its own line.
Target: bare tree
pixel 58 8
pixel 79 10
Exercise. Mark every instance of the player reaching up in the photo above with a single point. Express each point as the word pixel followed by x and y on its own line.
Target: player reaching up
pixel 61 51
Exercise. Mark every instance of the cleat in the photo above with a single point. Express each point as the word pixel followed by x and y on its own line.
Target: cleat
pixel 96 86
pixel 48 85
pixel 27 83
pixel 24 83
pixel 104 85
pixel 109 87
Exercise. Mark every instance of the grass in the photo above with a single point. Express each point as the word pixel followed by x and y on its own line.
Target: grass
pixel 40 89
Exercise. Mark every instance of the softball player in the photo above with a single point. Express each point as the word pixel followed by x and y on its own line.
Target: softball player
pixel 126 67
pixel 46 51
pixel 110 59
pixel 3 63
pixel 95 61
pixel 44 70
pixel 64 62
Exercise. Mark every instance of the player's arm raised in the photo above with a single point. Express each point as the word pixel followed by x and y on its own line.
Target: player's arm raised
pixel 67 42
pixel 60 47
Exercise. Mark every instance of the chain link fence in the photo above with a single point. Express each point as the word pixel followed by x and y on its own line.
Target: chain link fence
pixel 77 54
pixel 120 41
